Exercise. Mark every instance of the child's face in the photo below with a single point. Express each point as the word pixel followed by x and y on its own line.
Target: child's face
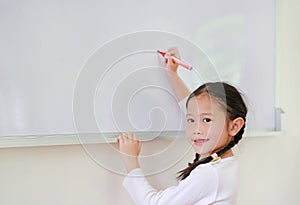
pixel 206 125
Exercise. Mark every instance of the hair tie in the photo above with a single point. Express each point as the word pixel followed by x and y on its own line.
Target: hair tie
pixel 215 157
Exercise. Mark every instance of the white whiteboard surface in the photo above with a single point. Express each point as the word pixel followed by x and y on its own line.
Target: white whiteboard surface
pixel 47 45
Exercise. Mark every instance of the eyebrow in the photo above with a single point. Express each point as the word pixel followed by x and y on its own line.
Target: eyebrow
pixel 205 113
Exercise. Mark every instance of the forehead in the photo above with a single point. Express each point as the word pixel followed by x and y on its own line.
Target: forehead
pixel 203 103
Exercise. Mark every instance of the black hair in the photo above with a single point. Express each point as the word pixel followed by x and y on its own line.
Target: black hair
pixel 231 100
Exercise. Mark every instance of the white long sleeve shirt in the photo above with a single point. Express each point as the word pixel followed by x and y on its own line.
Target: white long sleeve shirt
pixel 211 183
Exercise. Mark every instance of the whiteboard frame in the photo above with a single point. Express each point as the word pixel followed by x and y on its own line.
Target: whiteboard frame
pixel 73 139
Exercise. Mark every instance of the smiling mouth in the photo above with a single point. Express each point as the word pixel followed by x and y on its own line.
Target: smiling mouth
pixel 200 141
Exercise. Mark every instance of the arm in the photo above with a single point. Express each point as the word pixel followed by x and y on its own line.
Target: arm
pixel 199 186
pixel 130 149
pixel 180 88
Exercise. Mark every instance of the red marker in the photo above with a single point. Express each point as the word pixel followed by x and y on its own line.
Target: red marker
pixel 176 60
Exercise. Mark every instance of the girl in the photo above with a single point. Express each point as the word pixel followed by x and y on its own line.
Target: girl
pixel 216 115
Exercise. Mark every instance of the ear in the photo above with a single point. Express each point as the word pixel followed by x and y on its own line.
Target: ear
pixel 235 126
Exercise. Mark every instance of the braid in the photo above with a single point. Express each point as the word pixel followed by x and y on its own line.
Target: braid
pixel 235 140
pixel 186 172
pixel 197 156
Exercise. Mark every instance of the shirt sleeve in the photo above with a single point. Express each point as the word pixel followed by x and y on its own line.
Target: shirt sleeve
pixel 200 185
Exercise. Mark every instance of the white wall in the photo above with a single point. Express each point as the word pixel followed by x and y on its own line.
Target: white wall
pixel 269 171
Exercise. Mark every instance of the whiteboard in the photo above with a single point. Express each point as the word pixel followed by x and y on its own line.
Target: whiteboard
pixel 90 66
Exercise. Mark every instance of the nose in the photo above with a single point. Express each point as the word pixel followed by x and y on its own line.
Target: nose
pixel 198 129
pixel 198 132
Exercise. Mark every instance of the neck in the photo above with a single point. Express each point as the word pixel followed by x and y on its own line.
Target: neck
pixel 227 154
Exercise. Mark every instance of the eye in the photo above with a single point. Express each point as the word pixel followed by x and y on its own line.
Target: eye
pixel 190 120
pixel 206 119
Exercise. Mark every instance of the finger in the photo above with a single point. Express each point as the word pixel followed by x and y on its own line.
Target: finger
pixel 134 136
pixel 131 136
pixel 170 60
pixel 140 144
pixel 124 138
pixel 127 134
pixel 174 52
pixel 171 50
pixel 124 135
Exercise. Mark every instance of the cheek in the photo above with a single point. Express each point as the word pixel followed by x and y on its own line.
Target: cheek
pixel 219 135
pixel 216 130
pixel 220 125
pixel 189 131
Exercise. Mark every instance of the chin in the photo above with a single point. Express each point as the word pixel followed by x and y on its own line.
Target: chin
pixel 198 151
pixel 202 152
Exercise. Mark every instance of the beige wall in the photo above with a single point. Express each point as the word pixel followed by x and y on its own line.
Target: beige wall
pixel 269 165
pixel 269 171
